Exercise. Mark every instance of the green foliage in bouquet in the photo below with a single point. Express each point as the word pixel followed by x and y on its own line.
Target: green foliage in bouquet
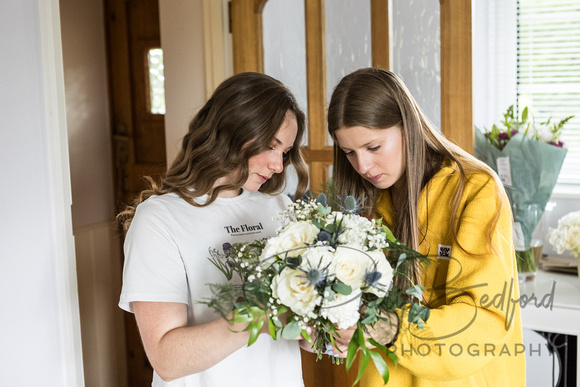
pixel 327 269
pixel 512 125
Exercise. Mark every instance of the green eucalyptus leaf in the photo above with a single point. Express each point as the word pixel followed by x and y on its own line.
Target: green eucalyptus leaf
pixel 306 336
pixel 401 259
pixel 341 288
pixel 416 291
pixel 418 312
pixel 318 224
pixel 291 330
pixel 368 320
pixel 277 323
pixel 323 210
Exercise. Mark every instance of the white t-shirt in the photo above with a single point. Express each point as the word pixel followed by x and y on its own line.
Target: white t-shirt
pixel 166 260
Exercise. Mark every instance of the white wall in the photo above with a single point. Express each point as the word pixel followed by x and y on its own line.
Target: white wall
pixel 39 327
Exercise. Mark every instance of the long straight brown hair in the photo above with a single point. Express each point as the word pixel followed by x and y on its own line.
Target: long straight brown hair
pixel 377 99
pixel 240 120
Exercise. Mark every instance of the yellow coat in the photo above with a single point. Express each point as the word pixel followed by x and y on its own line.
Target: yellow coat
pixel 473 336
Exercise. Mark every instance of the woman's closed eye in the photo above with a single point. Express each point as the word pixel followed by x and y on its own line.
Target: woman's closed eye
pixel 349 153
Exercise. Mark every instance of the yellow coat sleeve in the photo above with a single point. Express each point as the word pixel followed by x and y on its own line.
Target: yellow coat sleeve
pixel 473 335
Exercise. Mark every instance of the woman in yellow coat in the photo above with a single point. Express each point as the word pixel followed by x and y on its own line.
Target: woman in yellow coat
pixel 441 201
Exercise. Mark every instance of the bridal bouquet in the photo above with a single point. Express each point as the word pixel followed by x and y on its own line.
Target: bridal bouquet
pixel 325 270
pixel 567 235
pixel 528 157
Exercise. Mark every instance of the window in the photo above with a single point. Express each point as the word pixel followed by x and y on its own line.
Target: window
pixel 548 70
pixel 156 81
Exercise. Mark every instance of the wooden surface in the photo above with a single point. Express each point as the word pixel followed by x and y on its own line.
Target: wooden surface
pixel 380 33
pixel 316 83
pixel 456 73
pixel 246 24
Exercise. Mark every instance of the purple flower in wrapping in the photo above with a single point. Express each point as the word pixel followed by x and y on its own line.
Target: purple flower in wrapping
pixel 227 246
pixel 505 135
pixel 559 144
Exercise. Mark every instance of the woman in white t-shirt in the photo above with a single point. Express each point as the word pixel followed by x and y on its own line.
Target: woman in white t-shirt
pixel 223 186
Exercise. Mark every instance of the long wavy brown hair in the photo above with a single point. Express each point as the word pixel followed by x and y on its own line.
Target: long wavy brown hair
pixel 377 99
pixel 240 120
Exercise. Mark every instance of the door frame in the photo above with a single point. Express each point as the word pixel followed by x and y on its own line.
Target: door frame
pixel 61 196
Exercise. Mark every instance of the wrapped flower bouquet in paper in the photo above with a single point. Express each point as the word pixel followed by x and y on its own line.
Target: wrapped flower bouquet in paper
pixel 527 157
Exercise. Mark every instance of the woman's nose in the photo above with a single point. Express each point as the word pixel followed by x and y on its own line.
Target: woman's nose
pixel 277 162
pixel 364 163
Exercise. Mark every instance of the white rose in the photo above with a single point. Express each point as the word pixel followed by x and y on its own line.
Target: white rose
pixel 292 289
pixel 293 238
pixel 342 310
pixel 350 265
pixel 383 267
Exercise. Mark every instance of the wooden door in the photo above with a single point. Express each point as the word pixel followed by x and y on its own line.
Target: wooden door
pixel 246 24
pixel 456 109
pixel 138 133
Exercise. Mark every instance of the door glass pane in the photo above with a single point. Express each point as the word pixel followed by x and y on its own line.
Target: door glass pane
pixel 416 52
pixel 284 42
pixel 348 39
pixel 156 81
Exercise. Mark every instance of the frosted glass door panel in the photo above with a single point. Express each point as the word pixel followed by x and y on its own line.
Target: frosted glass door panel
pixel 416 52
pixel 285 47
pixel 348 39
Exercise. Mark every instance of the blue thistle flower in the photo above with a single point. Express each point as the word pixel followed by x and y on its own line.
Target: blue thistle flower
pixel 314 275
pixel 350 205
pixel 324 236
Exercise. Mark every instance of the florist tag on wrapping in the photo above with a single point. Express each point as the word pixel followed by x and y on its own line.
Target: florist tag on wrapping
pixel 504 171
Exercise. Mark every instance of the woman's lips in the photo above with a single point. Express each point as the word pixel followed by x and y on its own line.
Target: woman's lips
pixel 374 179
pixel 263 179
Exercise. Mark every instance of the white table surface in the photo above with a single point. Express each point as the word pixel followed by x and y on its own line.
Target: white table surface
pixel 560 311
